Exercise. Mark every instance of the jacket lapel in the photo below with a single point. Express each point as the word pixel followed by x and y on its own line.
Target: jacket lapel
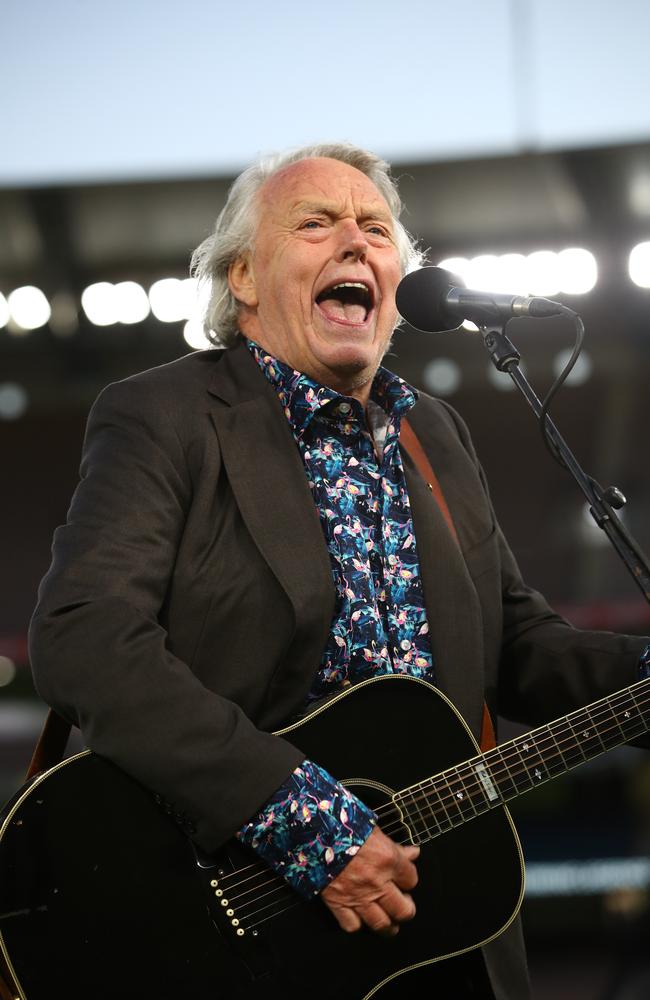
pixel 268 480
pixel 452 604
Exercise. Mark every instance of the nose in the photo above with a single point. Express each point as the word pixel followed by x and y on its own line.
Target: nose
pixel 353 244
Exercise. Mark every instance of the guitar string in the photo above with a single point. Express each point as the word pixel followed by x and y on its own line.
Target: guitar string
pixel 263 870
pixel 498 760
pixel 282 899
pixel 288 897
pixel 283 895
pixel 260 869
pixel 512 751
pixel 451 798
pixel 292 905
pixel 282 885
pixel 259 897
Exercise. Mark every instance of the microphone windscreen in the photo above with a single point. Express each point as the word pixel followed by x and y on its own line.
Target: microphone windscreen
pixel 421 299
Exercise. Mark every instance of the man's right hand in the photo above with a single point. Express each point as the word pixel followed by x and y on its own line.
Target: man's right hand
pixel 373 889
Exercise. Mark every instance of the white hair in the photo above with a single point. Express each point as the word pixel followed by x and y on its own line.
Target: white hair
pixel 235 228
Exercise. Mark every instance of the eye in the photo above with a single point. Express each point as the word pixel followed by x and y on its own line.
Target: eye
pixel 312 224
pixel 376 230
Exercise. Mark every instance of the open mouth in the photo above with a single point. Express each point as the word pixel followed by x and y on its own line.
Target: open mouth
pixel 347 302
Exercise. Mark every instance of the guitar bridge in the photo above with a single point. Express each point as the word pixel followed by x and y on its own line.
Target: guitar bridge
pixel 222 877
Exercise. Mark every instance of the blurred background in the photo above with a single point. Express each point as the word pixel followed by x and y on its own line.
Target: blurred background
pixel 520 132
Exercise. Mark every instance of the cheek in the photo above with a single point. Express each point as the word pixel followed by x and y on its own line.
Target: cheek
pixel 292 282
pixel 388 305
pixel 277 292
pixel 392 276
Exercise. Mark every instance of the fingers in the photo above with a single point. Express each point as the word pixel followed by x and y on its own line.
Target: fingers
pixel 382 916
pixel 373 889
pixel 377 919
pixel 397 905
pixel 406 874
pixel 348 920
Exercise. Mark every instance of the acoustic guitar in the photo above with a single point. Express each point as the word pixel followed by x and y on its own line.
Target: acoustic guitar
pixel 102 896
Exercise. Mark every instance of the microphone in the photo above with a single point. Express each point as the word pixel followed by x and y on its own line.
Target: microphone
pixel 434 300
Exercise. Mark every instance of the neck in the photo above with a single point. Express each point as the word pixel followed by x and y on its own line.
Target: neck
pixel 356 385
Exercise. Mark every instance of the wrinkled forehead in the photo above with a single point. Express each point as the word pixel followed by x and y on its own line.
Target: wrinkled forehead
pixel 320 180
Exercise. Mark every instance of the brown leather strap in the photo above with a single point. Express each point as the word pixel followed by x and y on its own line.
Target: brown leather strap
pixel 51 744
pixel 409 439
pixel 488 739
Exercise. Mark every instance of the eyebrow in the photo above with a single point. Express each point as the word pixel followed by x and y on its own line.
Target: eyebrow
pixel 331 210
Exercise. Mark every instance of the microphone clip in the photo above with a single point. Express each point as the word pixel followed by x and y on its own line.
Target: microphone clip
pixel 503 352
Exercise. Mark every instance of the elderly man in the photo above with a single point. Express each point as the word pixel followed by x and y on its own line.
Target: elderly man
pixel 249 536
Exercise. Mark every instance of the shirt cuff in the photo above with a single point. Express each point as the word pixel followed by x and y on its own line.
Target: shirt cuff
pixel 644 664
pixel 309 829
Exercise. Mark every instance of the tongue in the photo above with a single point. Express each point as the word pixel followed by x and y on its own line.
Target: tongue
pixel 350 311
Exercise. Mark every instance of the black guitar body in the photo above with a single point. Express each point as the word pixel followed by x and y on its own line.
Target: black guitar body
pixel 103 897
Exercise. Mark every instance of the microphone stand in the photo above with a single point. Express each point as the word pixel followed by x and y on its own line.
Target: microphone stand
pixel 505 358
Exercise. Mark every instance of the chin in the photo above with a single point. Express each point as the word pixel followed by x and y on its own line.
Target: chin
pixel 358 351
pixel 352 361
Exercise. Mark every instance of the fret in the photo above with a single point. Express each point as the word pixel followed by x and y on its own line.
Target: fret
pixel 501 773
pixel 484 778
pixel 584 735
pixel 565 753
pixel 476 787
pixel 568 744
pixel 458 799
pixel 618 731
pixel 627 713
pixel 438 806
pixel 599 728
pixel 611 732
pixel 414 814
pixel 431 823
pixel 549 753
pixel 641 711
pixel 530 773
pixel 426 799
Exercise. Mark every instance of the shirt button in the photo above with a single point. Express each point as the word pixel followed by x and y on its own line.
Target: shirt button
pixel 405 644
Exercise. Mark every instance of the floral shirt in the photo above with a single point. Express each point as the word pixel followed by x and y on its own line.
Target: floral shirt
pixel 312 826
pixel 644 664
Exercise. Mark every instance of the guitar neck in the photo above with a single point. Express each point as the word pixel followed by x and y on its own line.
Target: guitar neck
pixel 453 797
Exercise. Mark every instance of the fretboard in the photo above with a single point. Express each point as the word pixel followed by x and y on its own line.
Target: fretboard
pixel 457 795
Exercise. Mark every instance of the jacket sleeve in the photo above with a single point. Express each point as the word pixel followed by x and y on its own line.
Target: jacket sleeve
pixel 99 654
pixel 546 667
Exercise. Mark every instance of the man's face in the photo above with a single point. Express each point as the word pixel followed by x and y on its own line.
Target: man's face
pixel 318 290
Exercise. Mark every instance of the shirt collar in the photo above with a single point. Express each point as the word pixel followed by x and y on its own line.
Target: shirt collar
pixel 302 398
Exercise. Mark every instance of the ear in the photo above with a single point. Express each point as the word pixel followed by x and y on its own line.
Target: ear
pixel 241 280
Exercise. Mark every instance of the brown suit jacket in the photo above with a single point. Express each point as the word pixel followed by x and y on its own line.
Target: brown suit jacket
pixel 190 596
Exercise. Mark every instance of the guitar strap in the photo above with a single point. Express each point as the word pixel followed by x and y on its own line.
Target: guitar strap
pixel 51 744
pixel 409 440
pixel 53 739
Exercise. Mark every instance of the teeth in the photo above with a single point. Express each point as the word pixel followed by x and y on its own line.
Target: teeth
pixel 340 290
